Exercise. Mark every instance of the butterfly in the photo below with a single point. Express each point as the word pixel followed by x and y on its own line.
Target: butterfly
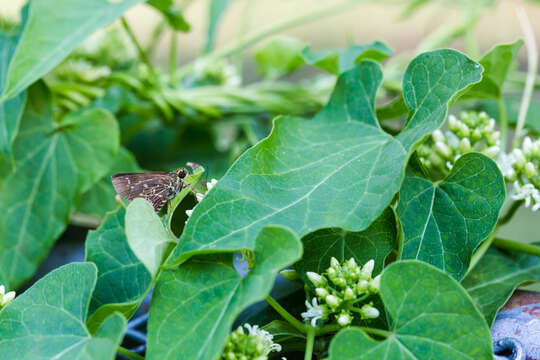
pixel 156 187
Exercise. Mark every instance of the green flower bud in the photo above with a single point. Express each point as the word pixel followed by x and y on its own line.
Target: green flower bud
pixel 289 274
pixel 519 157
pixel 348 294
pixel 334 263
pixel 321 292
pixel 344 319
pixel 375 284
pixel 476 135
pixel 530 170
pixel 362 286
pixel 369 312
pixel 464 146
pixel 443 149
pixel 316 279
pixel 332 301
pixel 438 136
pixel 492 151
pixel 367 269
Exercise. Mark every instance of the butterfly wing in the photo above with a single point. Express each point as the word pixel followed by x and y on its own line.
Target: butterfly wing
pixel 152 186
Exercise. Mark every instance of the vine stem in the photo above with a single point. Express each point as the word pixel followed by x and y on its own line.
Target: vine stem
pixel 172 56
pixel 286 315
pixel 311 331
pixel 129 354
pixel 503 122
pixel 532 65
pixel 511 212
pixel 517 246
pixel 245 42
pixel 140 50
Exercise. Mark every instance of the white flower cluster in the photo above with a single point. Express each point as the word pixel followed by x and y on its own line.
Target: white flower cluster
pixel 256 344
pixel 5 298
pixel 200 196
pixel 215 73
pixel 339 290
pixel 521 167
pixel 473 131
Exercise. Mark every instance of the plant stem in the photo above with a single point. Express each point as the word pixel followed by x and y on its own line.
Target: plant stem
pixel 329 329
pixel 503 122
pixel 311 331
pixel 532 65
pixel 511 212
pixel 286 315
pixel 154 37
pixel 140 50
pixel 379 332
pixel 517 246
pixel 129 354
pixel 475 258
pixel 245 42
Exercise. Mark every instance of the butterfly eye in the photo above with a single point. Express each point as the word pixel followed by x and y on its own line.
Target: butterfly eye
pixel 181 173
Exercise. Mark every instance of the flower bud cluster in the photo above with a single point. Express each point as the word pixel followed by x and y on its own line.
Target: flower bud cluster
pixel 473 131
pixel 5 298
pixel 255 344
pixel 521 167
pixel 339 290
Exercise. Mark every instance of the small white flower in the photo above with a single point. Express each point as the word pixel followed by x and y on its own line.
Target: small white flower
pixel 265 336
pixel 506 165
pixel 526 192
pixel 211 184
pixel 189 212
pixel 314 312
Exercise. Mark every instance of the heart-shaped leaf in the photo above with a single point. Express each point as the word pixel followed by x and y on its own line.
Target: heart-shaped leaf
pixel 52 32
pixel 47 321
pixel 36 199
pixel 101 198
pixel 10 110
pixel 496 276
pixel 122 279
pixel 194 306
pixel 340 61
pixel 376 242
pixel 295 177
pixel 443 223
pixel 432 317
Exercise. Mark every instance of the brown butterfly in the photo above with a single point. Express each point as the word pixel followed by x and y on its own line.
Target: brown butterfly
pixel 156 187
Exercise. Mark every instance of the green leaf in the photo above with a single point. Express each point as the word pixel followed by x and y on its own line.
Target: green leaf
pixel 279 57
pixel 194 306
pixel 493 280
pixel 146 235
pixel 339 61
pixel 101 198
pixel 443 223
pixel 55 164
pixel 216 11
pixel 10 110
pixel 191 184
pixel 432 316
pixel 171 13
pixel 430 82
pixel 295 177
pixel 52 32
pixel 47 321
pixel 376 242
pixel 123 280
pixel 497 62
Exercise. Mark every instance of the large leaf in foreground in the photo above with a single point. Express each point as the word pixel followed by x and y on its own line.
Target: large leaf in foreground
pixel 47 321
pixel 10 110
pixel 55 164
pixel 194 306
pixel 444 223
pixel 338 169
pixel 432 316
pixel 52 32
pixel 496 276
pixel 122 279
pixel 376 242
